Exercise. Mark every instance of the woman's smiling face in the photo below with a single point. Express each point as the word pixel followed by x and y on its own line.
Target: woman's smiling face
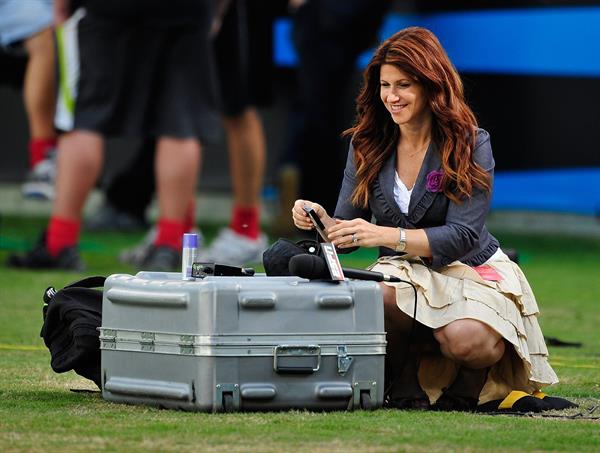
pixel 402 96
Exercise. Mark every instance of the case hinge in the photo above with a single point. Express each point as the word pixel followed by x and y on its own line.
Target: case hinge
pixel 186 344
pixel 108 338
pixel 147 341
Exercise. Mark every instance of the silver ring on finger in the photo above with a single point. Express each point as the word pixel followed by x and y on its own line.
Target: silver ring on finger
pixel 354 238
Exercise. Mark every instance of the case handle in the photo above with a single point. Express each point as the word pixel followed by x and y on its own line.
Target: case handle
pixel 148 299
pixel 334 301
pixel 259 300
pixel 296 359
pixel 148 388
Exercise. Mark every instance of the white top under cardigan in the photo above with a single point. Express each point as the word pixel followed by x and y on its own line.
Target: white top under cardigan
pixel 402 194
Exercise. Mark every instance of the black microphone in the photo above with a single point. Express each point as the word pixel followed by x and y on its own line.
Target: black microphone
pixel 314 267
pixel 201 270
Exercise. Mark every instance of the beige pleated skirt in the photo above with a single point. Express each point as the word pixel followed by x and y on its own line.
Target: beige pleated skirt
pixel 458 292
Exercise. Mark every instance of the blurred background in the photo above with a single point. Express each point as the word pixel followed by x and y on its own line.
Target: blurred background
pixel 531 71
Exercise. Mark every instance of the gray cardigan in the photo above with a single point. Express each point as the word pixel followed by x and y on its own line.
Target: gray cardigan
pixel 455 231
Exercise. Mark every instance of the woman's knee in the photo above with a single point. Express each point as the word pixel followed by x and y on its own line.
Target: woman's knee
pixel 468 341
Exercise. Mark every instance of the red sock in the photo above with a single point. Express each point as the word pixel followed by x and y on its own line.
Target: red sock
pixel 244 221
pixel 170 233
pixel 38 148
pixel 61 233
pixel 190 217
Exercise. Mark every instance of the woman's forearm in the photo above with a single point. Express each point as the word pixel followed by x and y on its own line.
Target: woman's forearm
pixel 416 241
pixel 362 233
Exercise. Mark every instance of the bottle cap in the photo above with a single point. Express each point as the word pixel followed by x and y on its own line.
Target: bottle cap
pixel 190 240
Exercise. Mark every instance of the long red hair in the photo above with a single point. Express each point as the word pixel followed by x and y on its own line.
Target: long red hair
pixel 417 52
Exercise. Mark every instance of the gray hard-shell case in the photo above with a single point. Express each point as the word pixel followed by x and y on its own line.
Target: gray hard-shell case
pixel 242 343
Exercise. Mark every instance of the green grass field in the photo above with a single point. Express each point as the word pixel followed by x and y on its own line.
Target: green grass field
pixel 39 412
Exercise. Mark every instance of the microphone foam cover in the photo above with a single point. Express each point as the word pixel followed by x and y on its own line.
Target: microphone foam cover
pixel 308 266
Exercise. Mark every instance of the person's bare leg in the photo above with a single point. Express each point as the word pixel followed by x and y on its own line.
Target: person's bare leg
pixel 247 151
pixel 476 347
pixel 177 165
pixel 39 93
pixel 80 158
pixel 470 343
pixel 402 362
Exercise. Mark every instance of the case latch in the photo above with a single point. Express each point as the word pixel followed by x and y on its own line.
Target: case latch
pixel 344 360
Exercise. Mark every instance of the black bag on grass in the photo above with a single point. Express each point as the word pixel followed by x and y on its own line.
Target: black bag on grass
pixel 72 316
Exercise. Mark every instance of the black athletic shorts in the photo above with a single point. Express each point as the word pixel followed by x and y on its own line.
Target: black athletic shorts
pixel 137 78
pixel 244 55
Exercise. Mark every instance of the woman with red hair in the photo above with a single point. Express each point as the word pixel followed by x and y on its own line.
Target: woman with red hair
pixel 420 166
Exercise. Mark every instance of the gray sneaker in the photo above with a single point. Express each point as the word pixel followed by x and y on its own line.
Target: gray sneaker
pixel 136 255
pixel 162 259
pixel 234 249
pixel 110 218
pixel 39 182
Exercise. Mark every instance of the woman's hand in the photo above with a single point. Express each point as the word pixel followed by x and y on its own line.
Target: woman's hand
pixel 301 218
pixel 360 233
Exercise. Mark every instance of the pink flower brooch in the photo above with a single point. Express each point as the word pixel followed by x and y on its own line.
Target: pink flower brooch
pixel 434 181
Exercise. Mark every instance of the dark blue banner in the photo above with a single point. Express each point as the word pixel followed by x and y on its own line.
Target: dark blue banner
pixel 573 190
pixel 559 41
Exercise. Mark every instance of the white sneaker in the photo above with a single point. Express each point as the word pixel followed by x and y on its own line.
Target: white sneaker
pixel 137 254
pixel 234 249
pixel 39 182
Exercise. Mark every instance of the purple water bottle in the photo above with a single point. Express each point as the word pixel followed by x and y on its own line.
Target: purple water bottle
pixel 188 255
